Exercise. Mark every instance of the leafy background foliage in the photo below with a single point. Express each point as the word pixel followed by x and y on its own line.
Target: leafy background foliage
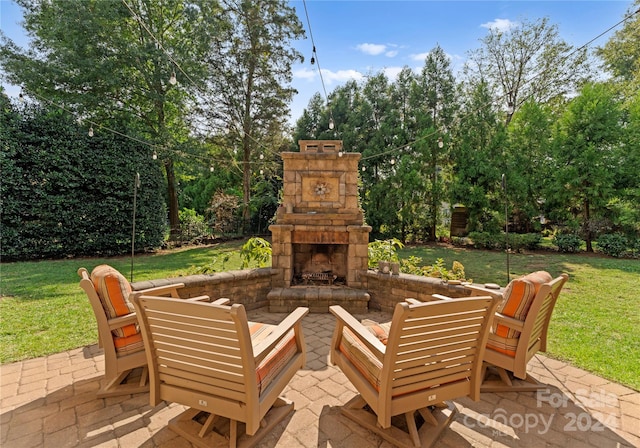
pixel 65 193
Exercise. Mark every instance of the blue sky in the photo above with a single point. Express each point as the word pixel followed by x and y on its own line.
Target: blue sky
pixel 357 38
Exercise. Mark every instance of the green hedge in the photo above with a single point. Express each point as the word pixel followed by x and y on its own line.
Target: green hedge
pixel 67 194
pixel 494 241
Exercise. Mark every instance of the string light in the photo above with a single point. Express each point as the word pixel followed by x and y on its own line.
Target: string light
pixel 21 96
pixel 261 156
pixel 331 123
pixel 154 156
pixel 173 81
pixel 91 131
pixel 440 143
pixel 211 169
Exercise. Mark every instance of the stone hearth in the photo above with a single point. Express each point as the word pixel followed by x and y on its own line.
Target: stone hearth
pixel 319 241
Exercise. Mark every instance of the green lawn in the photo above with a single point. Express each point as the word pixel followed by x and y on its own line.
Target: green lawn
pixel 594 326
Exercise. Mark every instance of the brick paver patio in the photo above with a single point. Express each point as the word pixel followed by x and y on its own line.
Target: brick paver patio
pixel 51 402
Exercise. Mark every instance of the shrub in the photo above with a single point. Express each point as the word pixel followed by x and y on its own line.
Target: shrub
pixel 193 228
pixel 412 265
pixel 483 240
pixel 383 250
pixel 567 242
pixel 255 249
pixel 613 244
pixel 67 194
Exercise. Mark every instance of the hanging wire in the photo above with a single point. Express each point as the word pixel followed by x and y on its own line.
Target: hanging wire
pixel 314 58
pixel 582 47
pixel 171 58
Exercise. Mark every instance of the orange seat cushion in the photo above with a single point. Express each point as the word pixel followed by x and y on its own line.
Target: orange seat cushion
pixel 277 359
pixel 113 290
pixel 360 356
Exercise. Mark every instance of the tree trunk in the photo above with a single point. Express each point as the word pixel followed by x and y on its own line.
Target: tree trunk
pixel 587 226
pixel 174 218
pixel 246 186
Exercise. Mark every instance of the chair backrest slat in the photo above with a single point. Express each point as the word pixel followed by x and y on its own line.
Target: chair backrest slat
pixel 198 347
pixel 198 383
pixel 542 308
pixel 433 360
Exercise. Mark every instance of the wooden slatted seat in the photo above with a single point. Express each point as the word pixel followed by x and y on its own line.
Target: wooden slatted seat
pixel 433 353
pixel 118 333
pixel 227 370
pixel 519 330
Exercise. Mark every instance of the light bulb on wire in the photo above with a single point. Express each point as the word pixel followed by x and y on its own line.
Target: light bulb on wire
pixel 154 156
pixel 331 123
pixel 173 80
pixel 440 142
pixel 91 131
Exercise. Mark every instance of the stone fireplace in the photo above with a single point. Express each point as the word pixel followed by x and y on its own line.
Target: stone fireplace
pixel 319 241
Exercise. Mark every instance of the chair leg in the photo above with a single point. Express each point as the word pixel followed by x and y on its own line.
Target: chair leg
pixel 219 431
pixel 117 385
pixel 509 383
pixel 435 422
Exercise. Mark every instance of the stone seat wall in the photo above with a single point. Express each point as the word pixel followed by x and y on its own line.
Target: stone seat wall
pixel 252 286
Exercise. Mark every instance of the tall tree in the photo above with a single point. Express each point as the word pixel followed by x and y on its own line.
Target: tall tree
pixel 621 53
pixel 529 61
pixel 587 156
pixel 436 89
pixel 250 76
pixel 106 60
pixel 477 160
pixel 528 167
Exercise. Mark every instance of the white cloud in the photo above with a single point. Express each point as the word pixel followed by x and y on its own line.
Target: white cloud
pixel 372 49
pixel 501 25
pixel 392 72
pixel 341 75
pixel 304 73
pixel 329 76
pixel 420 57
pixel 391 53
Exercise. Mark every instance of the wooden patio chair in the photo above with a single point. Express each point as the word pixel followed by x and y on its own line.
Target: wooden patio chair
pixel 429 353
pixel 118 332
pixel 519 330
pixel 209 357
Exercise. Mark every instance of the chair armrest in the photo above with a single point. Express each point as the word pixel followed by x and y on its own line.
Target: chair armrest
pixel 292 320
pixel 344 319
pixel 507 321
pixel 441 297
pixel 222 301
pixel 121 321
pixel 412 301
pixel 197 299
pixel 163 290
pixel 477 290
